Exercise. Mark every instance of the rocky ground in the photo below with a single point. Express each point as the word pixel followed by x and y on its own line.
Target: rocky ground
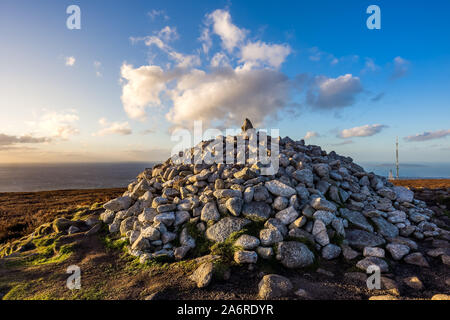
pixel 310 229
pixel 108 273
pixel 22 212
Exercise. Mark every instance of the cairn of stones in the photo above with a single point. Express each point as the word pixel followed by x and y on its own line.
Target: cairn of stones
pixel 317 205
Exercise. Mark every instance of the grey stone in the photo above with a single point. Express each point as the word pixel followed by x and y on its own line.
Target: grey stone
pixel 280 189
pixel 369 261
pixel 227 193
pixel 280 203
pixel 181 217
pixel 417 259
pixel 322 169
pixel 299 222
pixel 387 193
pixel 349 253
pixel 385 228
pixel 203 275
pixel 373 252
pixel 357 219
pixel 166 207
pixel 320 233
pixel 403 194
pixel 304 176
pixel 326 216
pixel 126 225
pixel 248 194
pixel 293 254
pixel 151 233
pixel 186 239
pixel 301 235
pixel 140 244
pixel 210 212
pixel 168 218
pixel 287 215
pixel 276 224
pixel 256 210
pixel 397 251
pixel 302 192
pixel 118 204
pixel 107 216
pixel 323 204
pixel 221 230
pixel 245 256
pixel 234 206
pixel 265 252
pixel 270 236
pixel 247 242
pixel 331 251
pixel 360 239
pixel 273 286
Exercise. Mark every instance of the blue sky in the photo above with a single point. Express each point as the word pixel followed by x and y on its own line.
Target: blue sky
pixel 96 94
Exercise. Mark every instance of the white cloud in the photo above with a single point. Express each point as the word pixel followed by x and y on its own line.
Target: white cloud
pixel 56 124
pixel 343 143
pixel 7 140
pixel 230 34
pixel 370 66
pixel 168 34
pixel 241 79
pixel 229 95
pixel 206 40
pixel 97 67
pixel 330 93
pixel 251 88
pixel 401 67
pixel 220 60
pixel 121 128
pixel 439 134
pixel 70 61
pixel 311 134
pixel 142 88
pixel 158 13
pixel 261 52
pixel 160 40
pixel 363 131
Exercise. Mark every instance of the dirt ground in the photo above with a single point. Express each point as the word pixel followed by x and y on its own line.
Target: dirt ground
pixel 423 183
pixel 107 273
pixel 22 212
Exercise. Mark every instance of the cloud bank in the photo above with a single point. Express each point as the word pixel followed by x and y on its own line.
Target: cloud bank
pixel 363 131
pixel 121 128
pixel 229 77
pixel 428 136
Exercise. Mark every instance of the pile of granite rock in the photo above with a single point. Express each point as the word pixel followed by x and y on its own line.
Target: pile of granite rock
pixel 318 205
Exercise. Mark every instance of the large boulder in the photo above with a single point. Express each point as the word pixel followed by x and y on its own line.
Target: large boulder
pixel 273 286
pixel 256 210
pixel 280 189
pixel 385 228
pixel 221 230
pixel 203 275
pixel 360 239
pixel 118 204
pixel 293 254
pixel 357 219
pixel 403 194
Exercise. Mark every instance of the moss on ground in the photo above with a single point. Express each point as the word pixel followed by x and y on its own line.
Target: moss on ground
pixel 227 248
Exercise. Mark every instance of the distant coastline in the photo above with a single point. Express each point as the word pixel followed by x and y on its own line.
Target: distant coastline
pixel 78 176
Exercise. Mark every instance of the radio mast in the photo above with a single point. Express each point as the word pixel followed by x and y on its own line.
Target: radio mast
pixel 396 156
